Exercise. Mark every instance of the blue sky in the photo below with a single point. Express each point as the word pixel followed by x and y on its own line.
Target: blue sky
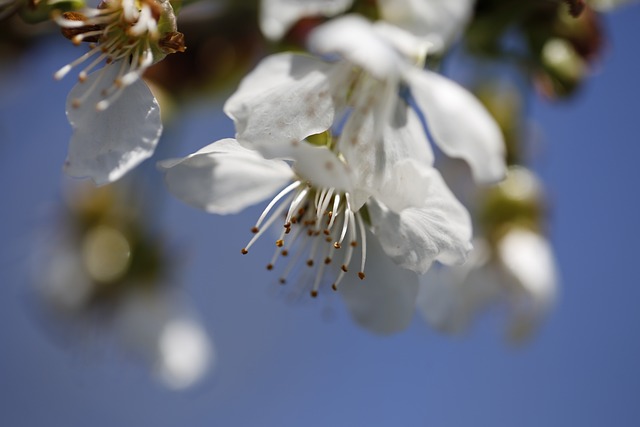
pixel 307 364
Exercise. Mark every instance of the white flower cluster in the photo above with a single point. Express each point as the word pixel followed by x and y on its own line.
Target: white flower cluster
pixel 338 138
pixel 337 141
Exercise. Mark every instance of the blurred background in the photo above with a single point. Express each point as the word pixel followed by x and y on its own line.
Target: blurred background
pixel 276 362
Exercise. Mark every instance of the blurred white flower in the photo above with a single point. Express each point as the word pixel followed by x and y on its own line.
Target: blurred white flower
pixel 162 330
pixel 362 95
pixel 115 117
pixel 102 275
pixel 511 264
pixel 519 272
pixel 434 21
pixel 327 212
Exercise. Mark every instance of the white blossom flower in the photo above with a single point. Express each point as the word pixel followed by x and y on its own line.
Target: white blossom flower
pixel 329 215
pixel 146 320
pixel 115 116
pixel 434 21
pixel 289 97
pixel 164 331
pixel 520 272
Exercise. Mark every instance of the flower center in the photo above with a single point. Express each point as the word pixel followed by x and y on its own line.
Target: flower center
pixel 319 223
pixel 126 32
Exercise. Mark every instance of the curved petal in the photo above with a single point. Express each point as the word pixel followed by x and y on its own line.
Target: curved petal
pixel 278 16
pixel 353 38
pixel 527 258
pixel 320 166
pixel 362 139
pixel 437 21
pixel 224 177
pixel 372 159
pixel 451 296
pixel 460 124
pixel 405 138
pixel 285 99
pixel 418 220
pixel 107 144
pixel 384 302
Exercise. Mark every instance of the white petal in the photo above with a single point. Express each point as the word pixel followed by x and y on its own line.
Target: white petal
pixel 320 166
pixel 384 302
pixel 460 124
pixel 405 138
pixel 418 220
pixel 372 160
pixel 451 296
pixel 413 48
pixel 107 144
pixel 287 98
pixel 437 21
pixel 528 258
pixel 225 177
pixel 278 16
pixel 362 139
pixel 353 38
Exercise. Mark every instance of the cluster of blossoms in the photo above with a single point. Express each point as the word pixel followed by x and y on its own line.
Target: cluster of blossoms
pixel 339 139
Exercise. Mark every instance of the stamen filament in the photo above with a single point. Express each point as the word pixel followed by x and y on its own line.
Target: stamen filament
pixel 268 223
pixel 275 200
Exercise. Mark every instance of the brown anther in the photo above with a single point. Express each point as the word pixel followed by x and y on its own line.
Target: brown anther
pixel 254 230
pixel 285 252
pixel 344 268
pixel 172 42
pixel 309 232
pixel 316 233
pixel 294 220
pixel 353 244
pixel 280 243
pixel 314 294
pixel 76 103
pixel 310 262
pixel 334 287
pixel 269 267
pixel 337 245
pixel 326 232
pixel 244 251
pixel 328 239
pixel 361 275
pixel 287 225
pixel 73 33
pixel 327 260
